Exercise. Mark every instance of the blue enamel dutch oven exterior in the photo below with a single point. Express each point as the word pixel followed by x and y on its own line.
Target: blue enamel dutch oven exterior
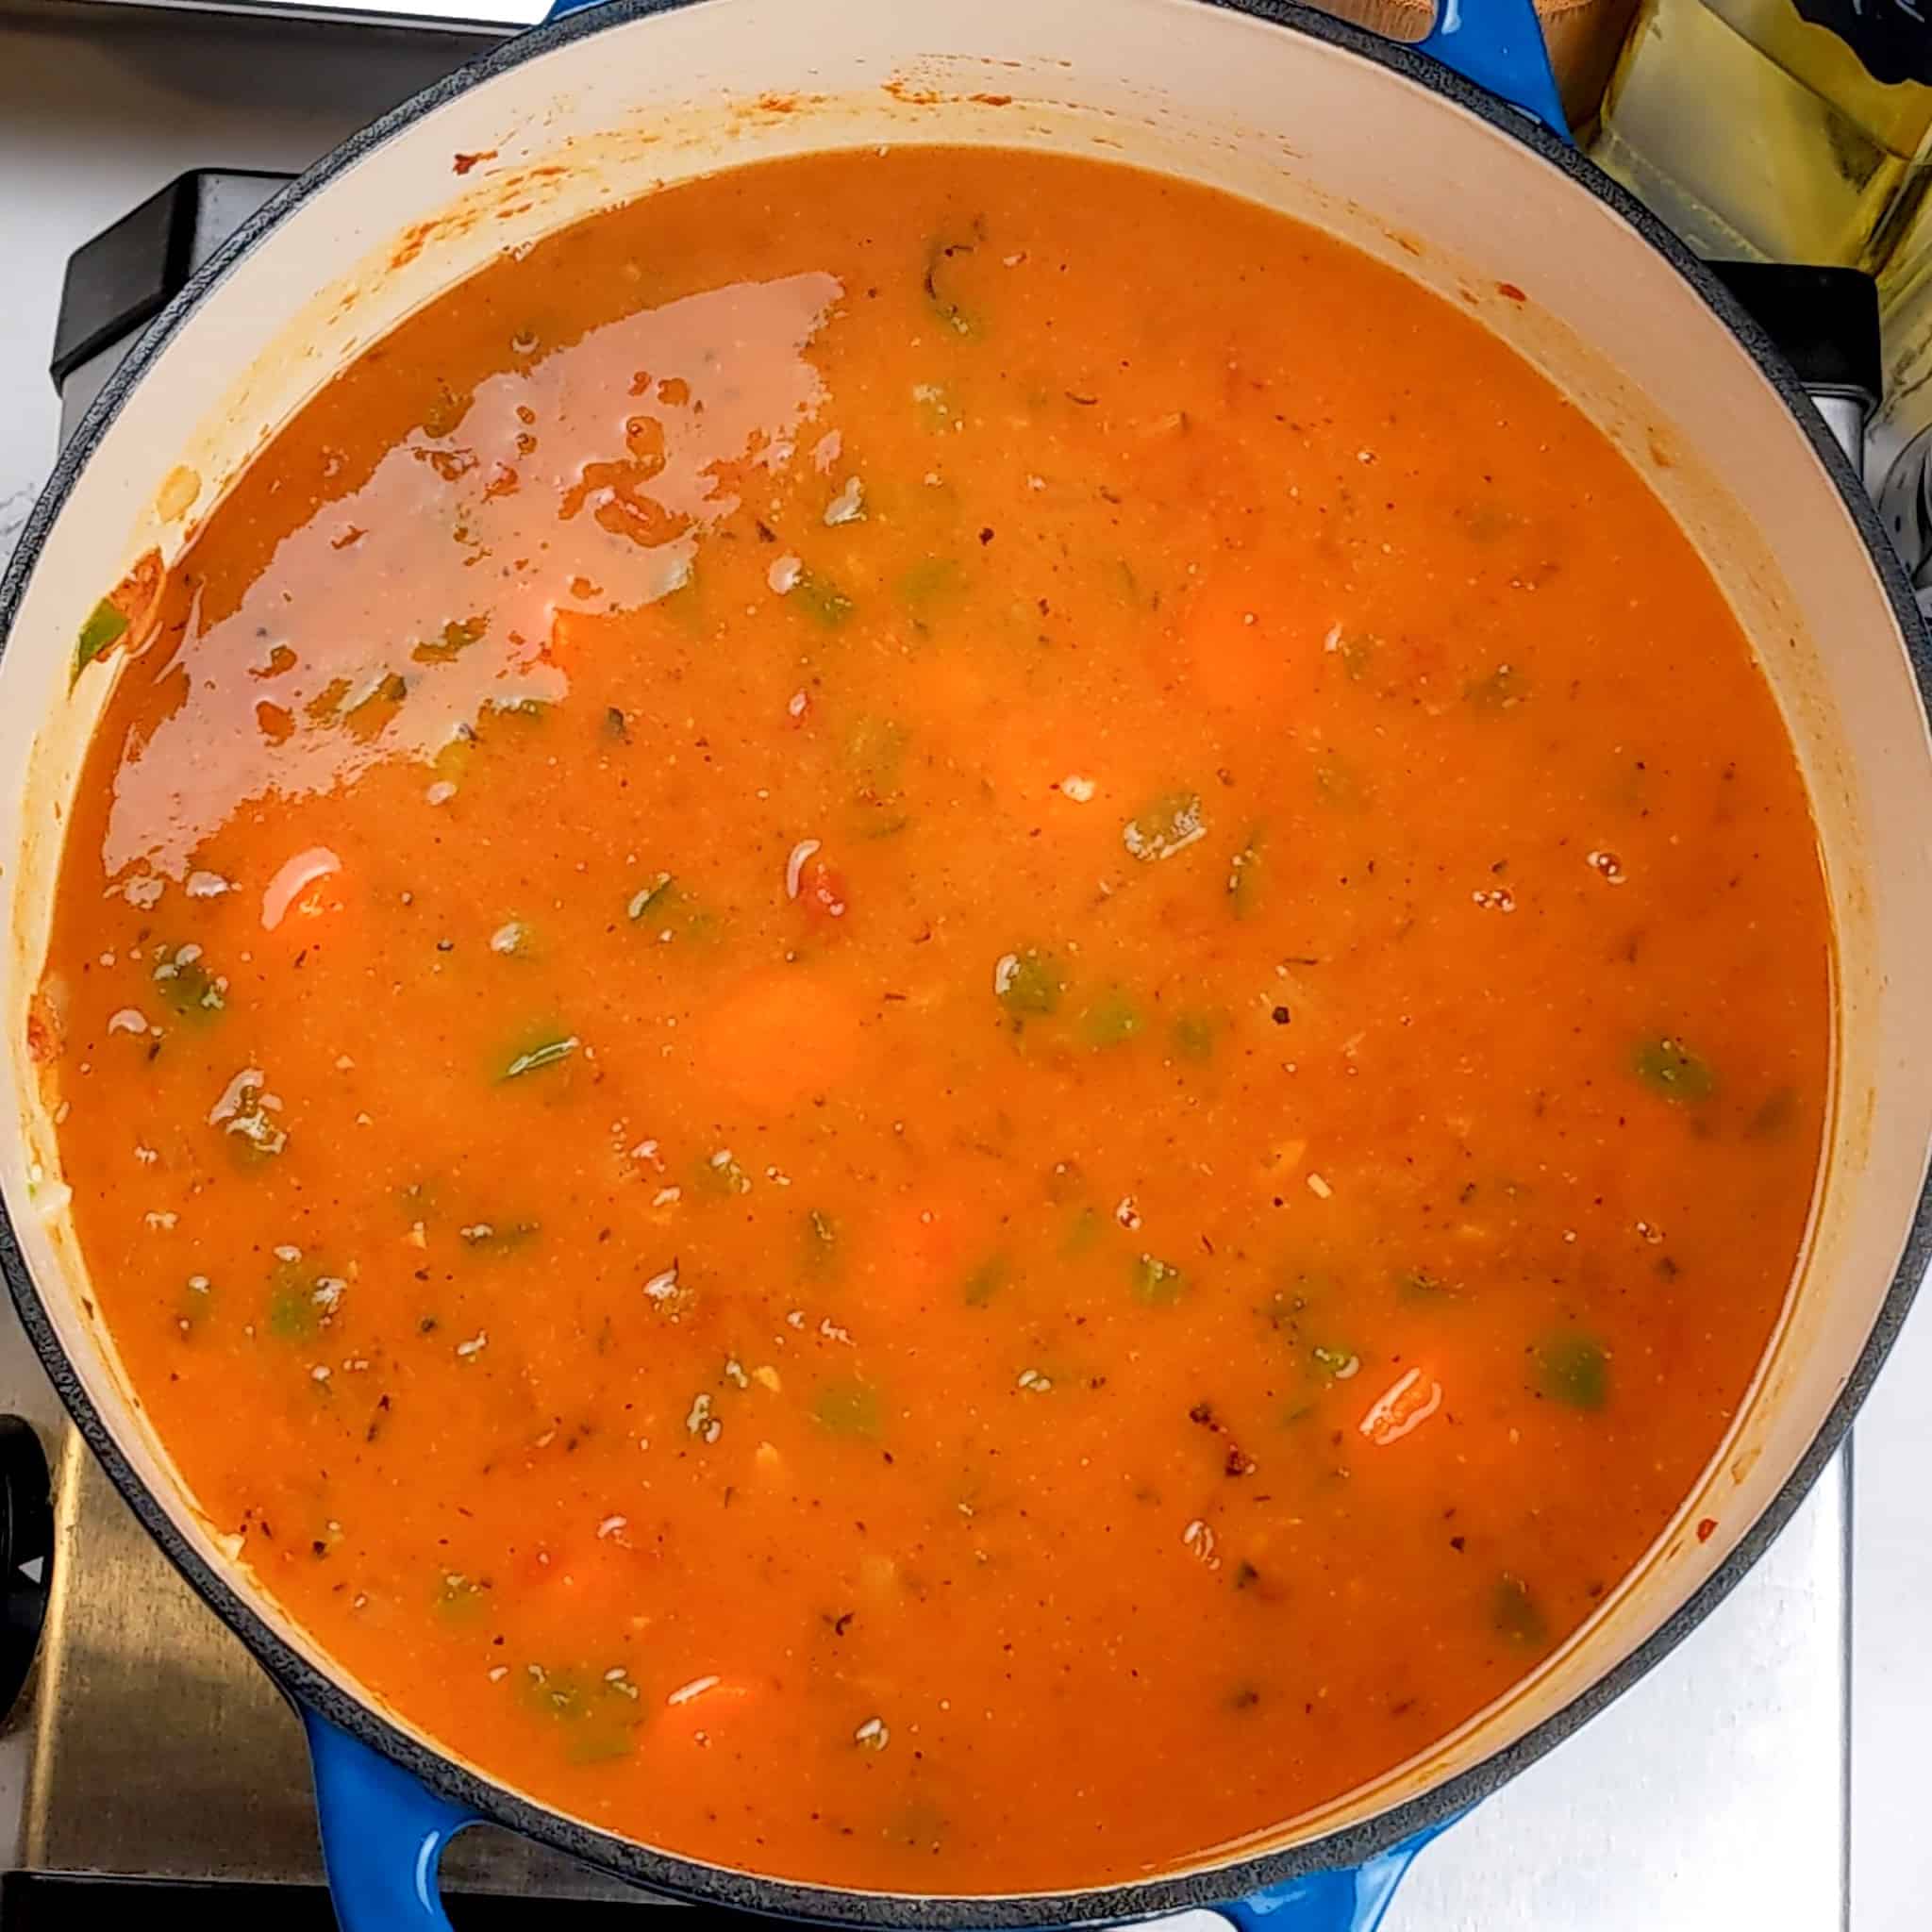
pixel 388 1806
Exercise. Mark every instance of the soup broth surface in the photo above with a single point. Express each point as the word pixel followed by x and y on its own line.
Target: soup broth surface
pixel 939 1020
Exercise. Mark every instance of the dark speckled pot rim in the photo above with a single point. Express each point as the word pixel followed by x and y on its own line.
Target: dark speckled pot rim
pixel 1239 1877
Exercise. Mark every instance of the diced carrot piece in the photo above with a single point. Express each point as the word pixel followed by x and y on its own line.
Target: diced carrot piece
pixel 579 638
pixel 570 636
pixel 595 1575
pixel 705 1704
pixel 929 1243
pixel 1239 659
pixel 953 684
pixel 1027 765
pixel 778 1039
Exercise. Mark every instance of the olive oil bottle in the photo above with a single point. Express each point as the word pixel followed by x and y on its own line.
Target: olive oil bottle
pixel 1790 130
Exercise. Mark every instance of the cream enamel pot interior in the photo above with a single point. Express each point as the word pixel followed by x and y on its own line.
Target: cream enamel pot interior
pixel 1368 141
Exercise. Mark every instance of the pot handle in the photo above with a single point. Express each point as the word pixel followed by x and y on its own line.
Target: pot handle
pixel 382 1835
pixel 1495 45
pixel 1350 1898
pixel 1498 46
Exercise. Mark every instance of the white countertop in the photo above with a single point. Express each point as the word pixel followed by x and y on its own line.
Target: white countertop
pixel 1766 1774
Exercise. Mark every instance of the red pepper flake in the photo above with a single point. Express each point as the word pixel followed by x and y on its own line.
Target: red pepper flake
pixel 463 163
pixel 1706 1529
pixel 1511 292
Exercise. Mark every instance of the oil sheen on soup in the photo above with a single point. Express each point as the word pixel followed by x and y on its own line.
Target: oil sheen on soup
pixel 939 1020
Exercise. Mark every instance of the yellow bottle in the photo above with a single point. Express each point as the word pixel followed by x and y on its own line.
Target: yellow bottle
pixel 1790 130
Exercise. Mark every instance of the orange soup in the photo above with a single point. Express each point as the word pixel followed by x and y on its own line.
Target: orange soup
pixel 939 1020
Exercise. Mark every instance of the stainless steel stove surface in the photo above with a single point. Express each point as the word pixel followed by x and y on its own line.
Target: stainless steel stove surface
pixel 1763 1776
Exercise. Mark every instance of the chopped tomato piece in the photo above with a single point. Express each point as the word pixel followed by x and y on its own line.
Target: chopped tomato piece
pixel 823 896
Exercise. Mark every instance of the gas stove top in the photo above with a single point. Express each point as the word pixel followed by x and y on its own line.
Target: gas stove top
pixel 149 1750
